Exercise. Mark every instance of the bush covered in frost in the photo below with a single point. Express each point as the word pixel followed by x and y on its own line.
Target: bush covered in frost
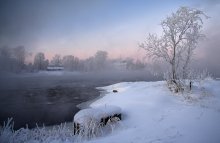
pixel 57 134
pixel 61 133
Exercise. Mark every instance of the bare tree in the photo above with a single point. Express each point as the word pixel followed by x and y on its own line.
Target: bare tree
pixel 56 61
pixel 5 59
pixel 100 59
pixel 181 32
pixel 19 54
pixel 39 61
pixel 12 59
pixel 70 62
pixel 89 64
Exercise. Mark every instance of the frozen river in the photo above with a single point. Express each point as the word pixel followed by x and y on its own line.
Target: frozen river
pixel 51 98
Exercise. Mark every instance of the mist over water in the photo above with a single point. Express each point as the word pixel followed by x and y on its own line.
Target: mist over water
pixel 51 97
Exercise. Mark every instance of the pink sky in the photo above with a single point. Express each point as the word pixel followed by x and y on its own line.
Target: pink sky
pixel 80 28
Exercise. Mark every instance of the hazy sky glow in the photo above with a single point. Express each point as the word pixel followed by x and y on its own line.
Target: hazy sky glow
pixel 81 27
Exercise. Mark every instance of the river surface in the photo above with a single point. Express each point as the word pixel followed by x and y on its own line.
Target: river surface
pixel 50 98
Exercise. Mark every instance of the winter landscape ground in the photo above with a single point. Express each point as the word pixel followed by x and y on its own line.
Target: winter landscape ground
pixel 151 114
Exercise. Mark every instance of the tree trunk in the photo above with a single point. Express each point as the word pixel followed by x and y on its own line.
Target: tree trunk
pixel 173 72
pixel 174 63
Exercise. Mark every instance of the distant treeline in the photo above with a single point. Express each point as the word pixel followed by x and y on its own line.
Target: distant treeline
pixel 13 60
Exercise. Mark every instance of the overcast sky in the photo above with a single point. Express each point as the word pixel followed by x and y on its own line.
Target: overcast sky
pixel 80 27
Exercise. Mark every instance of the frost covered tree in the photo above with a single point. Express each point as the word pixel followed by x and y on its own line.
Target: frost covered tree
pixel 70 62
pixel 56 61
pixel 129 63
pixel 12 59
pixel 180 35
pixel 100 59
pixel 5 59
pixel 19 54
pixel 39 61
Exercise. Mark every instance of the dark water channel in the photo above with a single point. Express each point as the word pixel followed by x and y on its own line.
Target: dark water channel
pixel 51 99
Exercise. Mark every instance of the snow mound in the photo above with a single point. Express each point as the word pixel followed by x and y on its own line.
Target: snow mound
pixel 96 113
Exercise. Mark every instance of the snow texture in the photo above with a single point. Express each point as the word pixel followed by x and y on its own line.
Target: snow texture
pixel 154 114
pixel 96 113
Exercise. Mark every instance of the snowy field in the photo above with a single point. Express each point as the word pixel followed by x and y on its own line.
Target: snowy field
pixel 151 114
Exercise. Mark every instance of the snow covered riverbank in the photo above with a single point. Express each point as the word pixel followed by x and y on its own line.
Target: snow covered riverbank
pixel 152 114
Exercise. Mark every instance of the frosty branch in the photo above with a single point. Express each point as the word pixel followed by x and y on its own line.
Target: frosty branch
pixel 180 35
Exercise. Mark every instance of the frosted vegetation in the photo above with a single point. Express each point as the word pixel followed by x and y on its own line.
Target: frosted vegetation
pixel 63 133
pixel 60 133
pixel 181 33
